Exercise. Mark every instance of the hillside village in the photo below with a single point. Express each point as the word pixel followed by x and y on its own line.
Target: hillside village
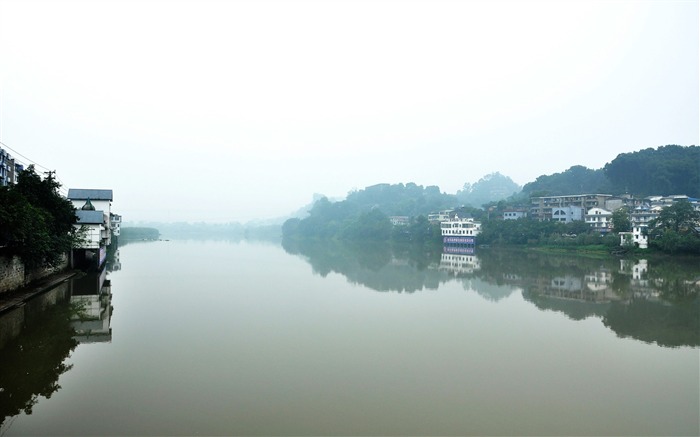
pixel 596 210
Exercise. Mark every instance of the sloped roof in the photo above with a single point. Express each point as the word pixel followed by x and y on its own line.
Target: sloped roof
pixel 85 193
pixel 89 217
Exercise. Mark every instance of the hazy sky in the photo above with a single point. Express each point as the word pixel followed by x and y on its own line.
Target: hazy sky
pixel 233 110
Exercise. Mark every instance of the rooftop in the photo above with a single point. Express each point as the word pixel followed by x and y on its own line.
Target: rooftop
pixel 86 193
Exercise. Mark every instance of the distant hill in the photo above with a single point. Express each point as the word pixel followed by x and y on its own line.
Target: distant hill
pixel 491 188
pixel 400 199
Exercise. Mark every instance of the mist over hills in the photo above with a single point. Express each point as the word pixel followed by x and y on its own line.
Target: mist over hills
pixel 666 170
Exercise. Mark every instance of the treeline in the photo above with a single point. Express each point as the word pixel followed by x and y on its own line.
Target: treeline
pixel 139 233
pixel 365 215
pixel 663 171
pixel 36 222
pixel 527 232
pixel 349 221
pixel 399 199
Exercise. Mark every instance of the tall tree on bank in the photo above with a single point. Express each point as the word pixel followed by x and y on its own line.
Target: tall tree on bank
pixel 675 229
pixel 36 222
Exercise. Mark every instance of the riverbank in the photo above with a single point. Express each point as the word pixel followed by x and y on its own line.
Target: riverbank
pixel 16 298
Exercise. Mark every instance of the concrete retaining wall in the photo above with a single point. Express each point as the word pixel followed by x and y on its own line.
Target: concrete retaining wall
pixel 13 274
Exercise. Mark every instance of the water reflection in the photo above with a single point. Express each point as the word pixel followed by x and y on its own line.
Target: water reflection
pixel 91 295
pixel 655 301
pixel 31 363
pixel 45 331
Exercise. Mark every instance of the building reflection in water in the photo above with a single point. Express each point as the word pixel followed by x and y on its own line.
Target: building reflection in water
pixel 92 296
pixel 459 264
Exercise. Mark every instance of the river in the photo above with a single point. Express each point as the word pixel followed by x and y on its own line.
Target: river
pixel 254 338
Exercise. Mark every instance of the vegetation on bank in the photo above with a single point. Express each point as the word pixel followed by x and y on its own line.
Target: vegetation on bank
pixel 362 216
pixel 36 222
pixel 139 233
pixel 673 232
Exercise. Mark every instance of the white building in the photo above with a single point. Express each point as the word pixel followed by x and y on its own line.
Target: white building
pixel 116 221
pixel 599 219
pixel 96 234
pixel 89 200
pixel 567 214
pixel 100 199
pixel 635 238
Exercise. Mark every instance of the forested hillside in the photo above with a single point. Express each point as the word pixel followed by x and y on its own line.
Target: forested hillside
pixel 400 199
pixel 575 180
pixel 365 213
pixel 663 171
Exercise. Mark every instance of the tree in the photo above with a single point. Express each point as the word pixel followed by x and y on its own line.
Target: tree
pixel 678 217
pixel 621 220
pixel 36 222
pixel 674 229
pixel 371 225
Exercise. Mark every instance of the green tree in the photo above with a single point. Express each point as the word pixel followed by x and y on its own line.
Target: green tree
pixel 678 217
pixel 372 225
pixel 36 222
pixel 674 230
pixel 621 220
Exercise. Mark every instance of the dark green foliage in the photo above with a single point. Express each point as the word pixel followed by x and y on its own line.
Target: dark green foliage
pixel 651 322
pixel 679 217
pixel 371 225
pixel 621 220
pixel 575 180
pixel 667 170
pixel 674 231
pixel 544 233
pixel 31 364
pixel 517 232
pixel 36 222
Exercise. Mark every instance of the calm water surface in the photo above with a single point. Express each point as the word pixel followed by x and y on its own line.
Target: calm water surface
pixel 207 338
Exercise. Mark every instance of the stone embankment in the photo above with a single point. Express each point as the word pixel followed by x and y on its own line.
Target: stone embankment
pixel 14 275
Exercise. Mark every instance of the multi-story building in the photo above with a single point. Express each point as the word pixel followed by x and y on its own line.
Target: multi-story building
pixel 116 221
pixel 566 214
pixel 599 219
pixel 93 209
pixel 9 169
pixel 565 208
